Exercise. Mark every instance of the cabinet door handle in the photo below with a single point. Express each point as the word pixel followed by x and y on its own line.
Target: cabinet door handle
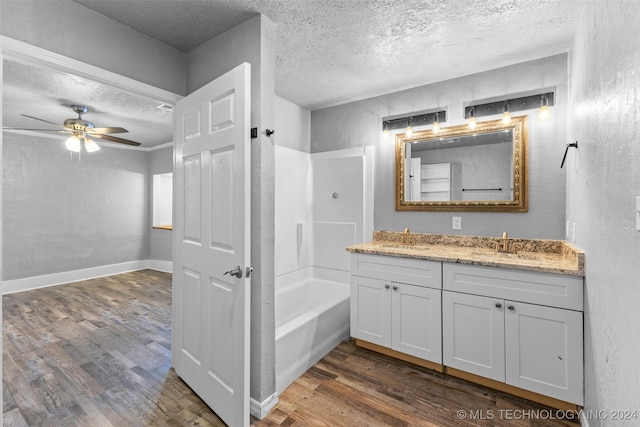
pixel 395 287
pixel 498 305
pixel 511 307
pixel 386 286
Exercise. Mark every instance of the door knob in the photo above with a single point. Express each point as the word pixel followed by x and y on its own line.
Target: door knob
pixel 236 272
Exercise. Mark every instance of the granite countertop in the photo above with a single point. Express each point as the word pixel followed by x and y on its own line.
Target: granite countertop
pixel 549 256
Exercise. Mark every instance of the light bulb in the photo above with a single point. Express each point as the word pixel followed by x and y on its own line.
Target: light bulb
pixel 436 127
pixel 408 132
pixel 543 114
pixel 385 132
pixel 506 118
pixel 472 122
pixel 73 144
pixel 90 145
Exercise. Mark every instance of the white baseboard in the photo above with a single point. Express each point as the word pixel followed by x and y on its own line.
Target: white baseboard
pixel 159 265
pixel 46 280
pixel 584 422
pixel 262 409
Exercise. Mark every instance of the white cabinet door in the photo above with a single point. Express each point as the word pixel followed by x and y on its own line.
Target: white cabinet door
pixel 544 350
pixel 473 334
pixel 371 310
pixel 417 321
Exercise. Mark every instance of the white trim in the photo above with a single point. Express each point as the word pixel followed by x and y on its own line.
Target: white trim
pixel 46 280
pixel 262 409
pixel 160 147
pixel 584 421
pixel 160 265
pixel 336 154
pixel 25 53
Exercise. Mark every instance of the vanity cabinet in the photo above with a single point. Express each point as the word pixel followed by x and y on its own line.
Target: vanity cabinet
pixel 396 303
pixel 518 327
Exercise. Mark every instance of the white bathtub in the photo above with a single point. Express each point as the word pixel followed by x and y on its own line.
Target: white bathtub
pixel 312 317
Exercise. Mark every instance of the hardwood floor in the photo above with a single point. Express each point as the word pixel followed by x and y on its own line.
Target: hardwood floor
pixel 97 353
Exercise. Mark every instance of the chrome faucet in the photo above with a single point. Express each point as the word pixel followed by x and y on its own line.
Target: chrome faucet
pixel 407 238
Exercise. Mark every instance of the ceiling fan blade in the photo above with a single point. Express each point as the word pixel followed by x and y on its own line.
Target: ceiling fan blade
pixel 115 139
pixel 42 120
pixel 93 131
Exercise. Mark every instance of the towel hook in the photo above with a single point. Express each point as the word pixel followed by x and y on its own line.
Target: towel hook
pixel 574 145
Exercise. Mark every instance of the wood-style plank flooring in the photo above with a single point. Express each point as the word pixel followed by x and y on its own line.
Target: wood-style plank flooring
pixel 97 353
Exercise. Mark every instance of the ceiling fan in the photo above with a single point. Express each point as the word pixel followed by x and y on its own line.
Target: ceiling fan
pixel 82 130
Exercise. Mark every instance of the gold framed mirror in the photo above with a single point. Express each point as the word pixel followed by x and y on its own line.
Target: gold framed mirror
pixel 464 170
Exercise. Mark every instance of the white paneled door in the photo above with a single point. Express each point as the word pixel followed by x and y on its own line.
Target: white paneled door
pixel 211 226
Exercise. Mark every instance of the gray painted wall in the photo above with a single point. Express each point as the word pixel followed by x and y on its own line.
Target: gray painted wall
pixel 252 42
pixel 62 214
pixel 602 183
pixel 74 31
pixel 360 123
pixel 160 241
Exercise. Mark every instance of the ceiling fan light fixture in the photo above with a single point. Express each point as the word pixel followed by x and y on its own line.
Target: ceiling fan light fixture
pixel 73 143
pixel 90 145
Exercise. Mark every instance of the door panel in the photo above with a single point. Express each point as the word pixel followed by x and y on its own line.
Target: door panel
pixel 417 321
pixel 473 334
pixel 544 350
pixel 210 345
pixel 371 310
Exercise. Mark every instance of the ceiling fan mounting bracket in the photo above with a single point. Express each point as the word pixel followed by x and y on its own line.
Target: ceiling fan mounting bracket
pixel 80 110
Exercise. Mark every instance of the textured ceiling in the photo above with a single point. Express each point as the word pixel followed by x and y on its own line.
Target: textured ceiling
pixel 328 52
pixel 49 95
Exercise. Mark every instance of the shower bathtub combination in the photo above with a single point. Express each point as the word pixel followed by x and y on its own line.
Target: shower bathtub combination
pixel 312 317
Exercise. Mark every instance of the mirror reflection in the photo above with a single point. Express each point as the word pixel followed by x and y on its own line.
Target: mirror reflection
pixel 461 169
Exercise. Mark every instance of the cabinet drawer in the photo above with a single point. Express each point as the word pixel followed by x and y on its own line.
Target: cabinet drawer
pixel 554 290
pixel 395 269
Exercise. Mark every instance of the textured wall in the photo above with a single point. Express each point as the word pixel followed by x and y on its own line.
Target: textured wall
pixel 602 183
pixel 359 123
pixel 61 214
pixel 74 31
pixel 252 42
pixel 160 241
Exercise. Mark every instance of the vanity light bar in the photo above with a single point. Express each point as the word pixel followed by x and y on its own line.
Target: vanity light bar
pixel 421 119
pixel 515 104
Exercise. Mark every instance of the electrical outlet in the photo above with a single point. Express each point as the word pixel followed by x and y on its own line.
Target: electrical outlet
pixel 456 223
